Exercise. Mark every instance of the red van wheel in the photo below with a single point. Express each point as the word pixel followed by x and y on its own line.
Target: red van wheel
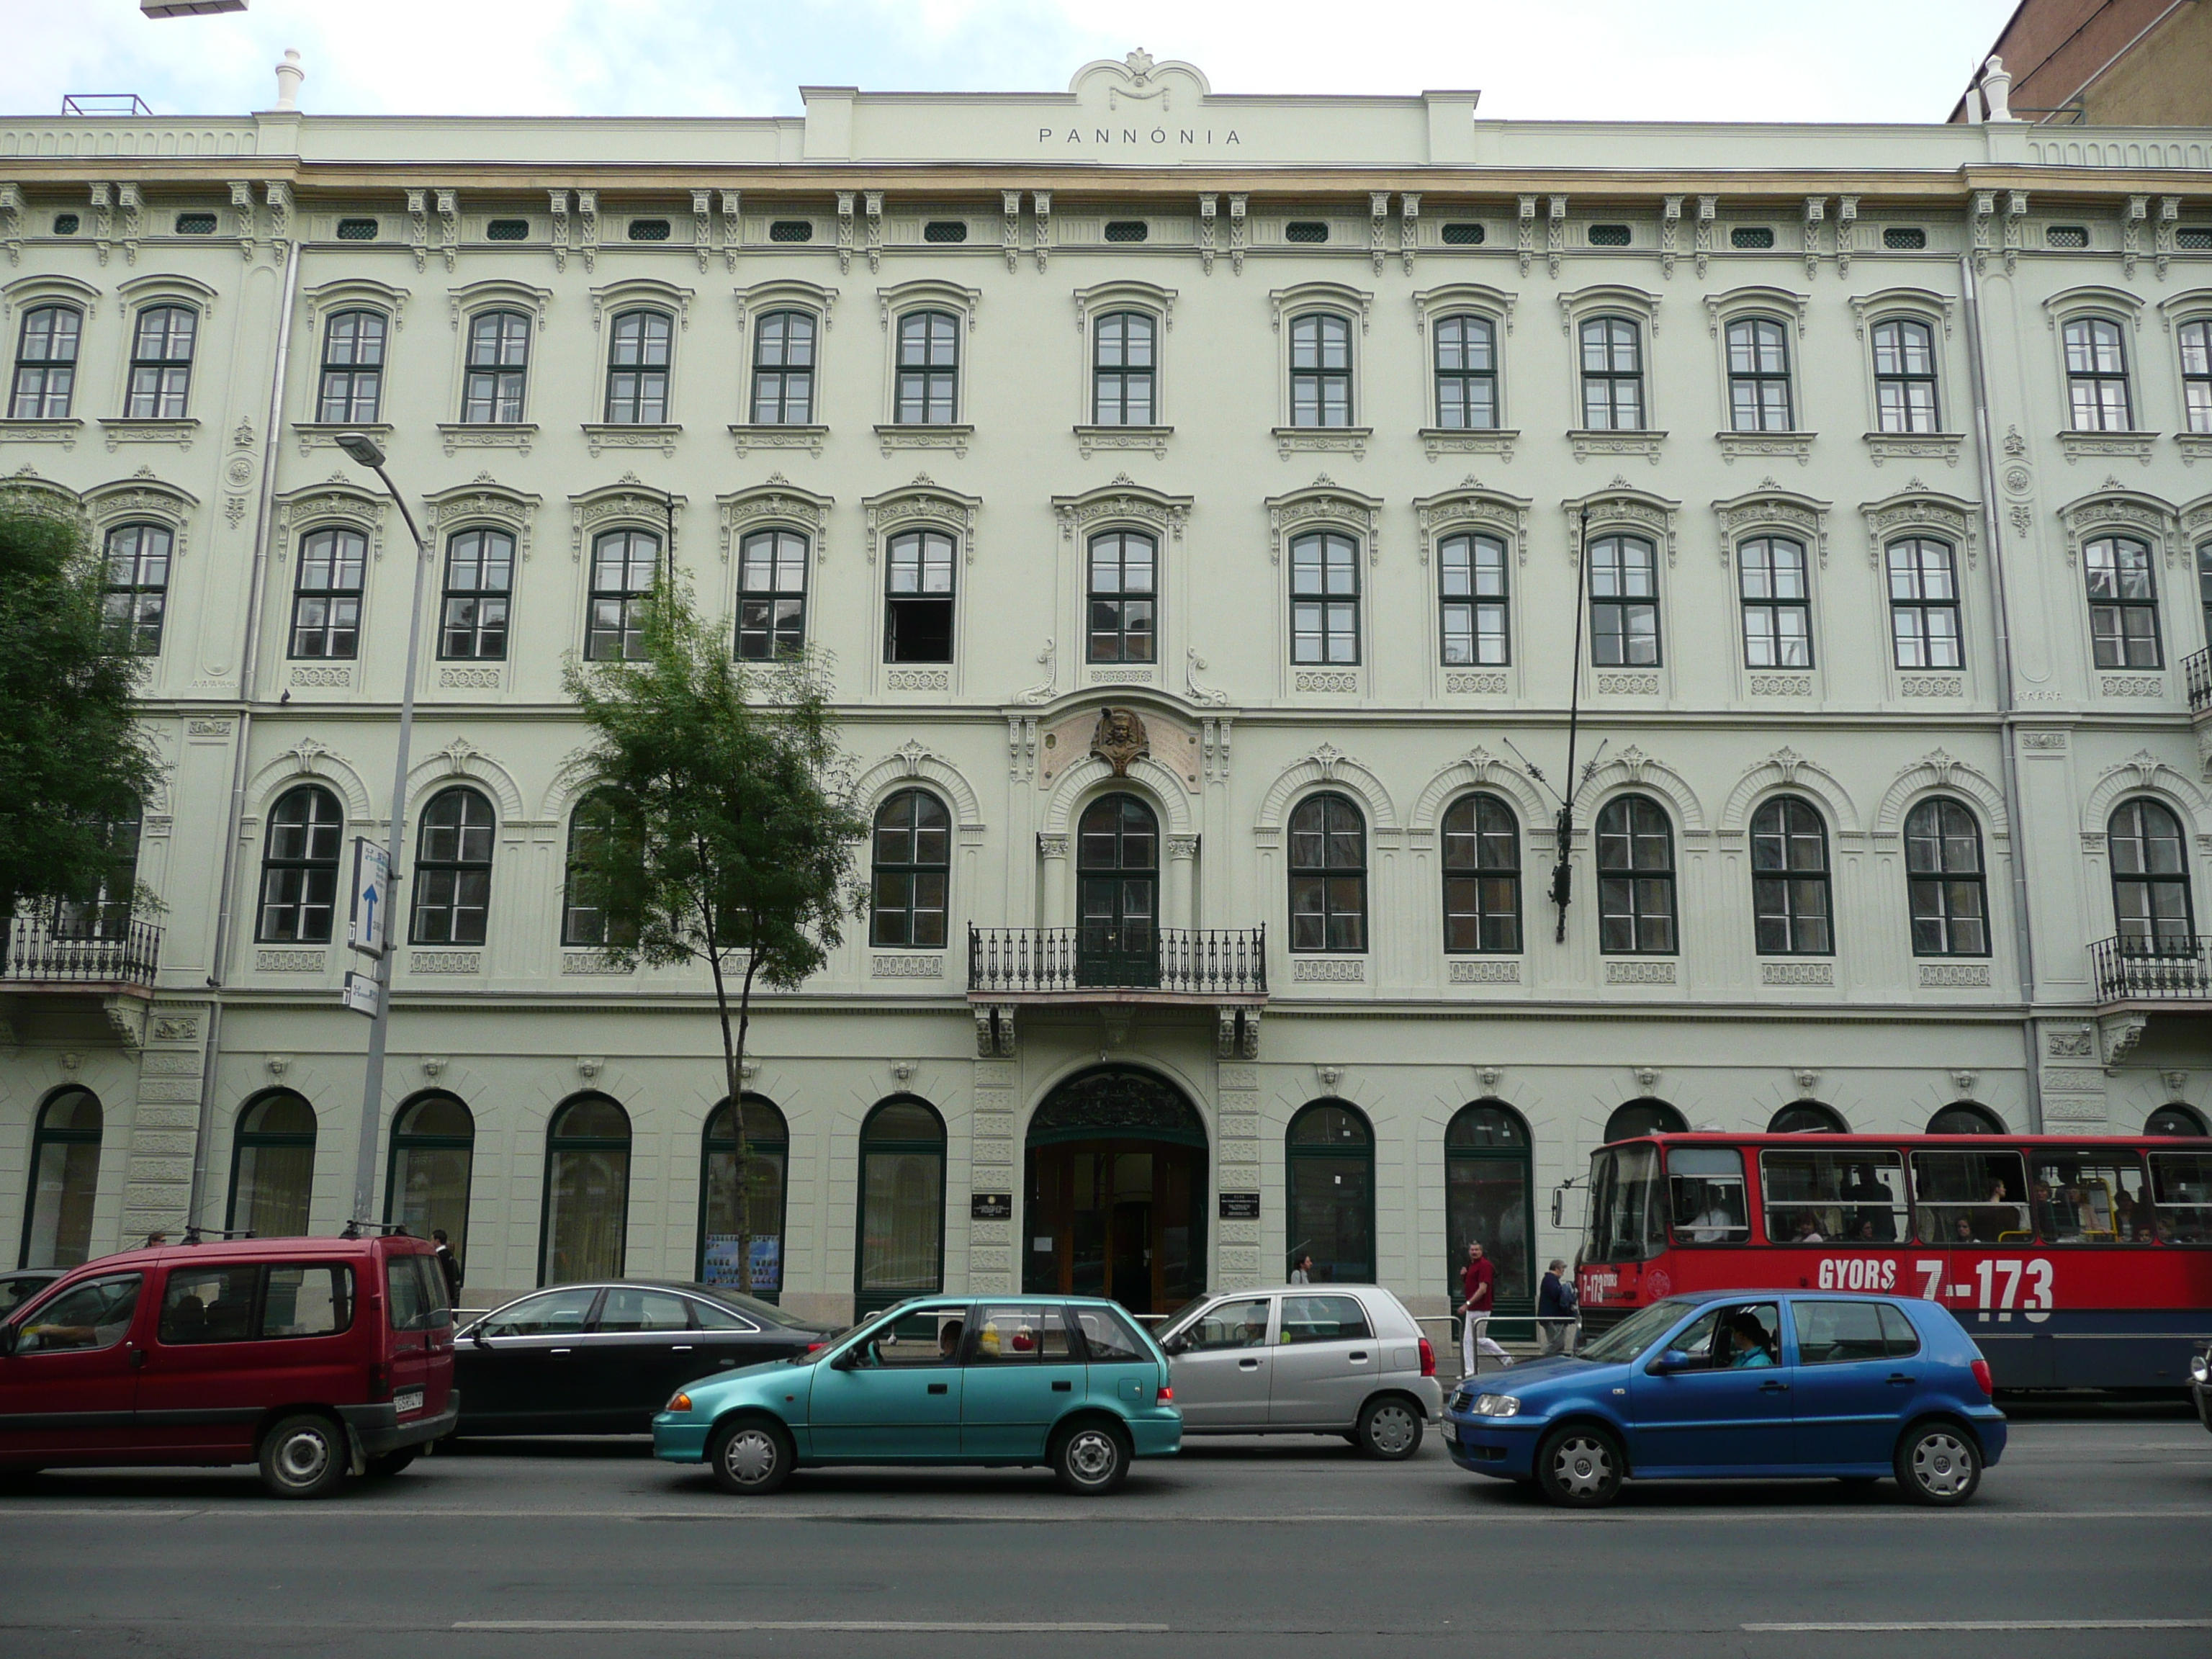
pixel 303 1457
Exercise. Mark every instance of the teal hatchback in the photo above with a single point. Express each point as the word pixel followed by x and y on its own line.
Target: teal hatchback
pixel 1006 1382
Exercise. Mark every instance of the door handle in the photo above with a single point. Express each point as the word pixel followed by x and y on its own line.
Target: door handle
pixel 1774 1388
pixel 940 1388
pixel 681 1347
pixel 1359 1358
pixel 137 1359
pixel 1900 1377
pixel 1063 1388
pixel 1248 1364
pixel 562 1350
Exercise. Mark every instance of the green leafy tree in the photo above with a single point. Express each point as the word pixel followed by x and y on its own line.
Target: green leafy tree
pixel 73 760
pixel 723 830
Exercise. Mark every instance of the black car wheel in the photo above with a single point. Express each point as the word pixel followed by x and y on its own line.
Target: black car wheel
pixel 1389 1430
pixel 751 1457
pixel 1090 1460
pixel 1939 1464
pixel 1580 1467
pixel 303 1457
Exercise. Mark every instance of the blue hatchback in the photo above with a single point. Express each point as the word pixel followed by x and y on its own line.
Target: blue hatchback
pixel 1759 1384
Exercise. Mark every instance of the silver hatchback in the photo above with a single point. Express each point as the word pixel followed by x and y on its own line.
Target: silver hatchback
pixel 1345 1360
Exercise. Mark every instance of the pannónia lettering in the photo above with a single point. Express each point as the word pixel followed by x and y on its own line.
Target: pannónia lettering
pixel 1138 136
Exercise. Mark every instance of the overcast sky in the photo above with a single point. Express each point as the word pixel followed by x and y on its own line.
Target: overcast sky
pixel 1824 60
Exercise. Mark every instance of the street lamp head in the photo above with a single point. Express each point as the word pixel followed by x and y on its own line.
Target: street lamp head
pixel 363 447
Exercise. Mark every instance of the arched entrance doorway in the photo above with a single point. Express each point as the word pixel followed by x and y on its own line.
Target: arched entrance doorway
pixel 1116 1190
pixel 1117 868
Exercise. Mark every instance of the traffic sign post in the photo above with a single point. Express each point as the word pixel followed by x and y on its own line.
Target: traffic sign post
pixel 368 920
pixel 362 994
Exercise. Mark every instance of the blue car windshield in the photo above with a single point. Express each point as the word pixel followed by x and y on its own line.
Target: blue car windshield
pixel 1627 1341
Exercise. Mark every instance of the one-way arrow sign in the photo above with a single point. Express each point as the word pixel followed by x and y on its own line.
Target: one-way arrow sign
pixel 368 921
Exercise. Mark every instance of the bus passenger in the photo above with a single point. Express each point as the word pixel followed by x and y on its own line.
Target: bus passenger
pixel 1962 1231
pixel 1808 1231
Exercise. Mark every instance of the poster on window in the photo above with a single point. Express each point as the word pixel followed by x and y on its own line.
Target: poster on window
pixel 722 1262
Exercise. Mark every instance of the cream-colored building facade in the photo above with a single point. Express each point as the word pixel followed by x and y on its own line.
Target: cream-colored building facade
pixel 1225 350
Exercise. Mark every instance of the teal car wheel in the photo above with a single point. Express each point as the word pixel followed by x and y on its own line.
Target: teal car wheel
pixel 1090 1459
pixel 751 1457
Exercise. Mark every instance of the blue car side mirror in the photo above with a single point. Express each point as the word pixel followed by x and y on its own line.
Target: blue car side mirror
pixel 1671 1361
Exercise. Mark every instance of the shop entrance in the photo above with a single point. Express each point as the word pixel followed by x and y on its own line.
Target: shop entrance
pixel 1116 1192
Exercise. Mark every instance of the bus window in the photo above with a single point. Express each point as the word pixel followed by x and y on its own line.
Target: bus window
pixel 1706 1186
pixel 1625 1223
pixel 2090 1196
pixel 2181 1193
pixel 1971 1198
pixel 1855 1197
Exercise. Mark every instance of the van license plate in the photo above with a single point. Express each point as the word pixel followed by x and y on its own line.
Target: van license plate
pixel 406 1401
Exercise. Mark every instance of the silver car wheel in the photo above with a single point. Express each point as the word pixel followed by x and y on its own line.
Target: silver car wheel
pixel 1093 1454
pixel 1392 1430
pixel 1583 1465
pixel 1942 1464
pixel 302 1459
pixel 750 1455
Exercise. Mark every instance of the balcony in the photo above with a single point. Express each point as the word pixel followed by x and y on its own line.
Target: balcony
pixel 2138 980
pixel 104 956
pixel 1222 968
pixel 2197 674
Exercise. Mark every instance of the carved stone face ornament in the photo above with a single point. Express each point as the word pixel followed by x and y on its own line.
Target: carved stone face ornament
pixel 1119 739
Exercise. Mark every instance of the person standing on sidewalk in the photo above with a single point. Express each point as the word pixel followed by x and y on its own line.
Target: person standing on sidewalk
pixel 1477 1285
pixel 449 1265
pixel 1558 1315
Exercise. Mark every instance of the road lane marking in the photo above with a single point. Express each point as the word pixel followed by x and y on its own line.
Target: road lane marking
pixel 1982 1625
pixel 896 1626
pixel 754 1513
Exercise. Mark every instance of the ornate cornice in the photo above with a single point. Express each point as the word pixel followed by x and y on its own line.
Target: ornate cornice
pixel 1324 502
pixel 1122 502
pixel 779 501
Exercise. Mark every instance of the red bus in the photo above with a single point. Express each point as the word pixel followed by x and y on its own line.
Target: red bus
pixel 2073 1261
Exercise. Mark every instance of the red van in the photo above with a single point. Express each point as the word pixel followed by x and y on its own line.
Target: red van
pixel 314 1357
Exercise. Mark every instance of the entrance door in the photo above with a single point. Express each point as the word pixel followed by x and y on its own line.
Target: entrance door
pixel 1118 1218
pixel 1117 871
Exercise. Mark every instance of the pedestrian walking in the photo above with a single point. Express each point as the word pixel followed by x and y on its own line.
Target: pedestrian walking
pixel 1302 1270
pixel 448 1264
pixel 1559 1312
pixel 1477 1284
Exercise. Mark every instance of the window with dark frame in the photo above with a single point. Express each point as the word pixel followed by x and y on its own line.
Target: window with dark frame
pixel 589 826
pixel 1613 374
pixel 911 872
pixel 45 364
pixel 919 596
pixel 783 368
pixel 1791 901
pixel 2204 583
pixel 2097 375
pixel 2150 879
pixel 472 608
pixel 772 596
pixel 1482 877
pixel 1778 604
pixel 1472 590
pixel 624 565
pixel 2122 603
pixel 103 910
pixel 1905 376
pixel 1320 370
pixel 1759 376
pixel 2196 375
pixel 1123 370
pixel 1635 877
pixel 1624 603
pixel 135 592
pixel 161 362
pixel 1122 597
pixel 637 369
pixel 1924 603
pixel 499 364
pixel 1329 876
pixel 1466 374
pixel 300 867
pixel 1324 598
pixel 1945 886
pixel 453 869
pixel 928 389
pixel 326 594
pixel 353 368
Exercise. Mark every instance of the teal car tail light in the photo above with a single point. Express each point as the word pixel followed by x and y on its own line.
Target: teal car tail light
pixel 1165 1396
pixel 1497 1405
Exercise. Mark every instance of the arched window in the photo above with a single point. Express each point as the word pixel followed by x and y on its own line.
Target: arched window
pixel 1329 1155
pixel 2122 603
pixel 46 364
pixel 135 594
pixel 742 1223
pixel 1489 1186
pixel 103 911
pixel 771 596
pixel 326 594
pixel 300 867
pixel 783 369
pixel 586 1213
pixel 1329 876
pixel 920 593
pixel 2171 1119
pixel 1635 877
pixel 161 362
pixel 928 392
pixel 1324 598
pixel 901 1248
pixel 473 611
pixel 1807 1117
pixel 1612 375
pixel 1944 880
pixel 353 368
pixel 1624 603
pixel 1466 373
pixel 434 1142
pixel 1320 370
pixel 1471 586
pixel 1905 376
pixel 1791 907
pixel 913 870
pixel 1759 376
pixel 624 565
pixel 1117 873
pixel 1124 389
pixel 1121 622
pixel 584 922
pixel 453 869
pixel 2150 879
pixel 1966 1117
pixel 499 365
pixel 637 369
pixel 1778 603
pixel 64 1182
pixel 1482 876
pixel 1645 1116
pixel 272 1167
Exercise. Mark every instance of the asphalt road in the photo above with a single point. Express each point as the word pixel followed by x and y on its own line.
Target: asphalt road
pixel 2095 1536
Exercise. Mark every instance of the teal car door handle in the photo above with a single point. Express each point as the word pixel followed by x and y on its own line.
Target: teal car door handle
pixel 940 1388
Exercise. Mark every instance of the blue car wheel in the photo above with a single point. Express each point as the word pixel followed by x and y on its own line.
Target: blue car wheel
pixel 1581 1466
pixel 751 1457
pixel 1939 1464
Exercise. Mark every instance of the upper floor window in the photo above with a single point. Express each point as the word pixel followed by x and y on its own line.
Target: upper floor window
pixel 918 597
pixel 134 596
pixel 2122 603
pixel 101 908
pixel 1320 370
pixel 1624 603
pixel 1944 881
pixel 771 596
pixel 1905 376
pixel 1777 611
pixel 583 922
pixel 2150 877
pixel 1759 376
pixel 783 369
pixel 624 565
pixel 353 368
pixel 161 362
pixel 1482 876
pixel 1635 877
pixel 473 607
pixel 2204 583
pixel 2196 375
pixel 1122 621
pixel 453 869
pixel 499 364
pixel 46 364
pixel 1324 598
pixel 1612 375
pixel 1466 373
pixel 1471 587
pixel 300 867
pixel 2097 375
pixel 1789 886
pixel 912 870
pixel 637 369
pixel 1123 370
pixel 1924 603
pixel 326 596
pixel 928 390
pixel 1329 876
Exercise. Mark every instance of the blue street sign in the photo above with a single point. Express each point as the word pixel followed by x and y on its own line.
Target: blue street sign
pixel 368 920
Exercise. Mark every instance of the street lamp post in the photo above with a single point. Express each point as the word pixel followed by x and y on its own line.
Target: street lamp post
pixel 364 449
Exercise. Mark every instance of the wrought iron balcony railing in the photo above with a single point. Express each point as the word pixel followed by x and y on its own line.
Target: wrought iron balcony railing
pixel 2196 670
pixel 1196 963
pixel 99 950
pixel 2177 967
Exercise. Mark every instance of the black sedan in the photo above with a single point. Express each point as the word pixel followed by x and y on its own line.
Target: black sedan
pixel 602 1359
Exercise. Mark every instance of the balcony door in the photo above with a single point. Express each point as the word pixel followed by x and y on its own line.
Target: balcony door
pixel 1117 893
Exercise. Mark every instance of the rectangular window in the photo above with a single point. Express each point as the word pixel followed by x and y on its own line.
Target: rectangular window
pixel 161 362
pixel 472 610
pixel 1466 373
pixel 624 565
pixel 1778 611
pixel 1025 1333
pixel 2122 603
pixel 1123 367
pixel 46 364
pixel 209 1305
pixel 2181 1197
pixel 772 596
pixel 928 369
pixel 1707 1195
pixel 307 1299
pixel 1759 376
pixel 919 598
pixel 1123 624
pixel 1846 1333
pixel 1905 376
pixel 1923 604
pixel 353 368
pixel 783 369
pixel 1971 1198
pixel 2196 375
pixel 498 362
pixel 1325 600
pixel 637 369
pixel 327 597
pixel 2097 375
pixel 135 597
pixel 2090 1196
pixel 1612 375
pixel 1624 603
pixel 1471 585
pixel 1323 1319
pixel 1320 370
pixel 1856 1197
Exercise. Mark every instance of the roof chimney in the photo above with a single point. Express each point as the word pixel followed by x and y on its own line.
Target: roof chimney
pixel 288 76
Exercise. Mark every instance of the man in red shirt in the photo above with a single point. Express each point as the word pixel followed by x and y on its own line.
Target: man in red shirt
pixel 1477 1284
